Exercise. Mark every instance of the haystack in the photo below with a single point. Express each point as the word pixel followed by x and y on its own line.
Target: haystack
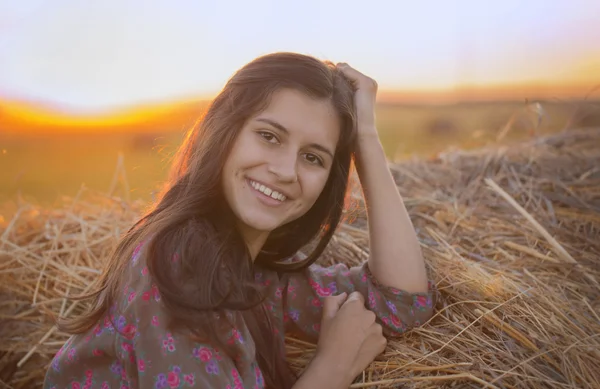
pixel 511 237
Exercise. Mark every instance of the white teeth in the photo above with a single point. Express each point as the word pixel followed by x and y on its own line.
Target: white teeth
pixel 268 191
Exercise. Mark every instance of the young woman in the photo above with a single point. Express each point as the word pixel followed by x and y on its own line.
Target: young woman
pixel 200 292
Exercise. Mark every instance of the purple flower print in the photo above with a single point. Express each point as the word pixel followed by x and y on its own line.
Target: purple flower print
pixel 333 287
pixel 392 307
pixel 161 381
pixel 55 364
pixel 116 368
pixel 294 314
pixel 212 367
pixel 176 369
pixel 71 354
pixel 121 322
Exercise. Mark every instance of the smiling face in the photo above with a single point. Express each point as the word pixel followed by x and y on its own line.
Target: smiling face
pixel 280 162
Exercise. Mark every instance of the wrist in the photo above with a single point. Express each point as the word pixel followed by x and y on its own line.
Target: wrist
pixel 330 372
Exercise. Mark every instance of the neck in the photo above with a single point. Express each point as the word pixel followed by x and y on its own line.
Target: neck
pixel 254 239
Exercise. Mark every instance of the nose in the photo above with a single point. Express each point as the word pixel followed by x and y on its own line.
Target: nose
pixel 285 168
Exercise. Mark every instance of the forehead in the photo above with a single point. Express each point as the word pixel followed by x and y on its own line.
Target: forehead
pixel 304 117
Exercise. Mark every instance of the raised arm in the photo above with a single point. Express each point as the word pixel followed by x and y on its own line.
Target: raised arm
pixel 396 259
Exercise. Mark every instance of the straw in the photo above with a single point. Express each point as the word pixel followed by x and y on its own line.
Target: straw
pixel 511 236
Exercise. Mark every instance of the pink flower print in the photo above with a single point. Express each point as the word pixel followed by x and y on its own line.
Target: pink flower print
pixel 317 327
pixel 235 335
pixel 363 277
pixel 422 302
pixel 260 381
pixel 97 352
pixel 395 321
pixel 217 355
pixel 129 331
pixel 322 292
pixel 212 367
pixel 136 253
pixel 316 302
pixel 385 320
pixel 105 385
pixel 75 385
pixel 127 347
pixel 155 293
pixel 88 373
pixel 154 321
pixel 141 365
pixel 145 271
pixel 71 354
pixel 278 292
pixel 173 380
pixel 236 379
pixel 189 379
pixel 146 296
pixel 97 329
pixel 372 302
pixel 346 273
pixel 204 354
pixel 169 343
pixel 131 297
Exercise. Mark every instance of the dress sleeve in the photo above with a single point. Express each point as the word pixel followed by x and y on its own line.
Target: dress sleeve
pixel 303 293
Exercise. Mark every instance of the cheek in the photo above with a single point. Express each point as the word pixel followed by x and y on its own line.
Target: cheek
pixel 314 185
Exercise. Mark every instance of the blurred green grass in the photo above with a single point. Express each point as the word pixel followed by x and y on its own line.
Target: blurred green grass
pixel 41 168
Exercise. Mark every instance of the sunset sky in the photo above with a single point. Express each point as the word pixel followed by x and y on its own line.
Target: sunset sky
pixel 103 54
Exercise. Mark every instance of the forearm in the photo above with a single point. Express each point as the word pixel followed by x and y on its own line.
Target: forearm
pixel 321 375
pixel 395 258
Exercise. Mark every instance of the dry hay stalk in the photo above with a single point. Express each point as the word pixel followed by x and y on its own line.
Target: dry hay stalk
pixel 511 237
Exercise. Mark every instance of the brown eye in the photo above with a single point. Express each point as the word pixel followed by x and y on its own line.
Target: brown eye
pixel 269 137
pixel 313 159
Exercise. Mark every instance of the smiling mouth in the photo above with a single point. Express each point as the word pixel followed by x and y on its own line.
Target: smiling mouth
pixel 267 191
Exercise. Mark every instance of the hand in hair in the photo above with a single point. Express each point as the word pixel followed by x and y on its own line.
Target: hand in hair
pixel 365 99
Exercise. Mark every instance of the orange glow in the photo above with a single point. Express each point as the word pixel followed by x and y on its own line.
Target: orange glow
pixel 20 116
pixel 28 117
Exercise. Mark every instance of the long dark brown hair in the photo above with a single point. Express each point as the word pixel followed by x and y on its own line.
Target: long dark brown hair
pixel 215 273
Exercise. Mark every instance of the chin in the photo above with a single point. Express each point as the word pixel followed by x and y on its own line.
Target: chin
pixel 260 222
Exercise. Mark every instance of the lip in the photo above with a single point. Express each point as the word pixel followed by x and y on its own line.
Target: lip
pixel 283 192
pixel 263 198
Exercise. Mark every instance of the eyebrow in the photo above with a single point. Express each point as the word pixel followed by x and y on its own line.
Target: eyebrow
pixel 281 128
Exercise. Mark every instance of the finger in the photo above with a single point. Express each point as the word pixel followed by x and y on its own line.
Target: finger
pixel 361 79
pixel 350 71
pixel 332 304
pixel 356 296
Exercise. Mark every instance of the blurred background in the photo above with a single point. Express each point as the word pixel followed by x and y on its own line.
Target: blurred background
pixel 99 92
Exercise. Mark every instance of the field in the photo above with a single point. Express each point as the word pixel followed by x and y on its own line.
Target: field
pixel 510 237
pixel 42 167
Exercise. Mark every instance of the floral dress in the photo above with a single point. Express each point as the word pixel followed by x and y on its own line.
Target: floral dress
pixel 144 354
